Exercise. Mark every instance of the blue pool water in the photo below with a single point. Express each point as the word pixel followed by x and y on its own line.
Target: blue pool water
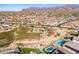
pixel 60 43
pixel 49 49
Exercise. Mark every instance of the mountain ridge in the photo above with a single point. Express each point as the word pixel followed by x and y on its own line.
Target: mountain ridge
pixel 67 7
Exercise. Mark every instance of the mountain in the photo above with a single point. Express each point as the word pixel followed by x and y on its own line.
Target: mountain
pixel 67 7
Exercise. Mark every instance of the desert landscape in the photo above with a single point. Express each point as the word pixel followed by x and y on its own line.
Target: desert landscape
pixel 40 30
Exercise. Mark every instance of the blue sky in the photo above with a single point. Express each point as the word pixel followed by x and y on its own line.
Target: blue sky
pixel 18 7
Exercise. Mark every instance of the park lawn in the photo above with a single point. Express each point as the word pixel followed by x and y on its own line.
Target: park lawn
pixel 28 50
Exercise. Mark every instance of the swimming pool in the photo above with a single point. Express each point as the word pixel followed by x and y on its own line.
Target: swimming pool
pixel 49 49
pixel 60 42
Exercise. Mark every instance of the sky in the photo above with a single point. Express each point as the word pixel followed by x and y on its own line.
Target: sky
pixel 19 7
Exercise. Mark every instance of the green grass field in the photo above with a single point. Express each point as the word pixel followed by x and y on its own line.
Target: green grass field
pixel 28 50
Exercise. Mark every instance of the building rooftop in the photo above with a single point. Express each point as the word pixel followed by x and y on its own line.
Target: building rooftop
pixel 65 51
pixel 76 39
pixel 72 45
